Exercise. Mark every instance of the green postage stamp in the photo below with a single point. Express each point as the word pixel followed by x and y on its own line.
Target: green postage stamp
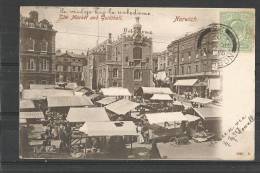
pixel 243 25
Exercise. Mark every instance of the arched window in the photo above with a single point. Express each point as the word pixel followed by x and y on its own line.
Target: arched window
pixel 137 53
pixel 31 44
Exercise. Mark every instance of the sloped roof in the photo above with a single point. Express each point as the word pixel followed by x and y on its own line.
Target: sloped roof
pixel 158 118
pixel 115 91
pixel 38 93
pixel 121 107
pixel 155 90
pixel 209 112
pixel 201 100
pixel 161 97
pixel 85 114
pixel 31 115
pixel 113 128
pixel 27 104
pixel 107 100
pixel 69 101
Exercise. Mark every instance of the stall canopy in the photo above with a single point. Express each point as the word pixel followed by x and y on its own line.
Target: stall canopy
pixel 201 100
pixel 191 118
pixel 27 104
pixel 177 103
pixel 121 107
pixel 115 91
pixel 161 97
pixel 153 90
pixel 40 86
pixel 185 82
pixel 31 115
pixel 214 84
pixel 71 85
pixel 158 118
pixel 40 93
pixel 69 101
pixel 107 100
pixel 113 128
pixel 209 112
pixel 85 114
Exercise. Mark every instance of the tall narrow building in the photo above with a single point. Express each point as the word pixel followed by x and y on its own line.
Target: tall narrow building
pixel 37 50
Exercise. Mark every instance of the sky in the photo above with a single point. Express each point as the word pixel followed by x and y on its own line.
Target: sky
pixel 81 34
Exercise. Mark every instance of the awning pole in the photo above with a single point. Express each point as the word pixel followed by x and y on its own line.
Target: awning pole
pixel 131 143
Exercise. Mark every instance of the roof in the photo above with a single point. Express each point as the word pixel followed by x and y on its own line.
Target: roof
pixel 39 86
pixel 38 93
pixel 115 91
pixel 107 100
pixel 71 54
pixel 201 100
pixel 26 104
pixel 185 82
pixel 178 103
pixel 85 114
pixel 155 90
pixel 68 101
pixel 161 97
pixel 121 107
pixel 158 118
pixel 191 118
pixel 31 115
pixel 113 128
pixel 71 85
pixel 209 112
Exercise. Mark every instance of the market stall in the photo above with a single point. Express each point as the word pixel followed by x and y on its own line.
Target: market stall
pixel 106 101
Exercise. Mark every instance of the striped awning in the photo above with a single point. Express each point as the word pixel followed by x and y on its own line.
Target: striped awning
pixel 185 82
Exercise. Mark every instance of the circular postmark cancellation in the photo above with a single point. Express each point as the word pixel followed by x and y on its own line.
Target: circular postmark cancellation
pixel 225 44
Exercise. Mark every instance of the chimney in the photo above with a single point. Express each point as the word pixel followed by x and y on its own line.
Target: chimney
pixel 109 36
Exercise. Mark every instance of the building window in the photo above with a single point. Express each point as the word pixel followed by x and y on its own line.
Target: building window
pixel 182 58
pixel 126 59
pixel 115 72
pixel 65 68
pixel 189 70
pixel 175 71
pixel 175 60
pixel 170 71
pixel 137 53
pixel 197 68
pixel 31 44
pixel 137 62
pixel 147 59
pixel 197 56
pixel 31 64
pixel 79 69
pixel 182 69
pixel 59 68
pixel 137 75
pixel 44 46
pixel 45 65
pixel 73 68
pixel 189 55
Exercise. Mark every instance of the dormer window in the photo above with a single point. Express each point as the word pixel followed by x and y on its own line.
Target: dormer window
pixel 31 44
pixel 44 46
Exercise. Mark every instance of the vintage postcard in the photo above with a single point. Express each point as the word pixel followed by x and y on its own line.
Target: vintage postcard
pixel 137 83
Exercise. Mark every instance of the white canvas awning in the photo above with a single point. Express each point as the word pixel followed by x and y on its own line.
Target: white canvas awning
pixel 26 104
pixel 185 82
pixel 40 93
pixel 41 86
pixel 209 112
pixel 158 118
pixel 201 100
pixel 191 118
pixel 31 115
pixel 85 114
pixel 69 101
pixel 156 90
pixel 115 91
pixel 107 100
pixel 121 107
pixel 214 84
pixel 113 128
pixel 161 97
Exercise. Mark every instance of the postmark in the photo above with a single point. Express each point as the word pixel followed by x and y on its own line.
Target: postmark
pixel 225 46
pixel 243 24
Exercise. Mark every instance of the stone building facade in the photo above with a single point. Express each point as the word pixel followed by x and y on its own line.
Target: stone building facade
pixel 125 62
pixel 68 66
pixel 37 50
pixel 192 57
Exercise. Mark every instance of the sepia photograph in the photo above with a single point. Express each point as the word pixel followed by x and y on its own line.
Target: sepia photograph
pixel 136 83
